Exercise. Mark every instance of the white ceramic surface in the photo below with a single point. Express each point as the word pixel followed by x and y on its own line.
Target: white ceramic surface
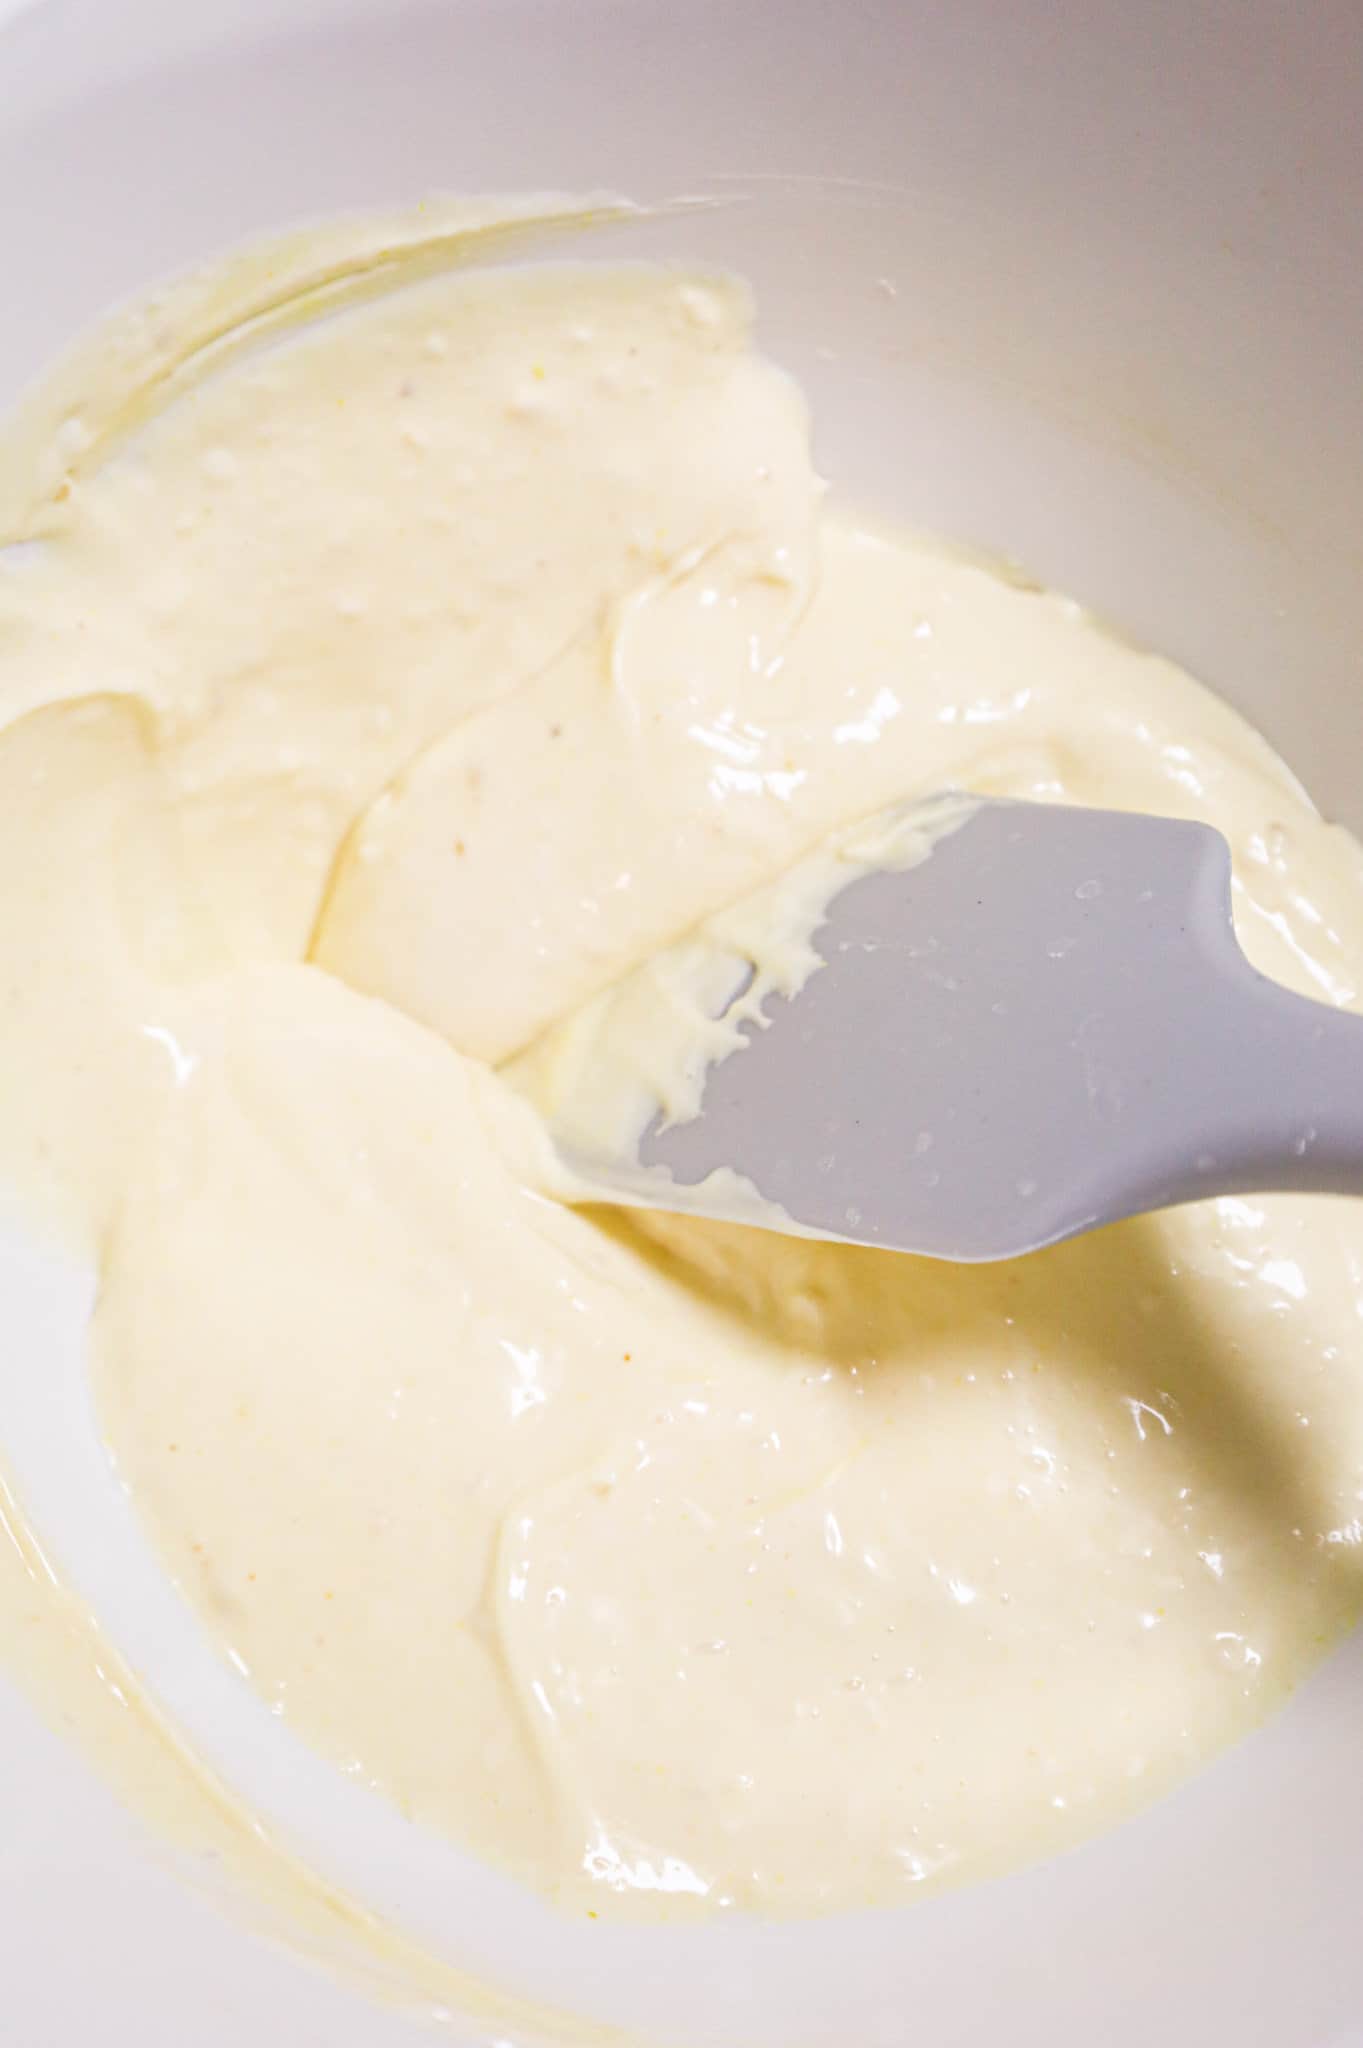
pixel 1074 279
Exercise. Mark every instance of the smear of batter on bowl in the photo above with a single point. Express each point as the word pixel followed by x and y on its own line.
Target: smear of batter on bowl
pixel 385 687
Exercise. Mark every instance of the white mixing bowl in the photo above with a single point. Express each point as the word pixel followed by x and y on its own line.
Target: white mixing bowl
pixel 1077 282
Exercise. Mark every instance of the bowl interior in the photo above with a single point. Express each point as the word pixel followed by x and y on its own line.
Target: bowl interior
pixel 1083 291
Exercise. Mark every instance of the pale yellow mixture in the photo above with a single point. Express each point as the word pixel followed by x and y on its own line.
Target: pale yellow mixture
pixel 380 688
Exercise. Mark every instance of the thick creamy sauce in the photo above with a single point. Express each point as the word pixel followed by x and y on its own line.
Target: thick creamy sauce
pixel 376 695
pixel 644 1049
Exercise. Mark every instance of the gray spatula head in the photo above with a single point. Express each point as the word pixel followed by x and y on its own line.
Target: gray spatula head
pixel 1045 1026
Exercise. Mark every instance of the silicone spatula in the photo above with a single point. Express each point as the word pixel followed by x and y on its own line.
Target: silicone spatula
pixel 1045 1026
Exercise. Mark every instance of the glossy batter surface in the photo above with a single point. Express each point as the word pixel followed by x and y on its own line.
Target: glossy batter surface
pixel 374 695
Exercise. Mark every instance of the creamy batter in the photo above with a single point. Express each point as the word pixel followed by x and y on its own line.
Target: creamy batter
pixel 382 687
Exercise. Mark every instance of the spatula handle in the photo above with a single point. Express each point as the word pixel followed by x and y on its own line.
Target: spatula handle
pixel 1262 1091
